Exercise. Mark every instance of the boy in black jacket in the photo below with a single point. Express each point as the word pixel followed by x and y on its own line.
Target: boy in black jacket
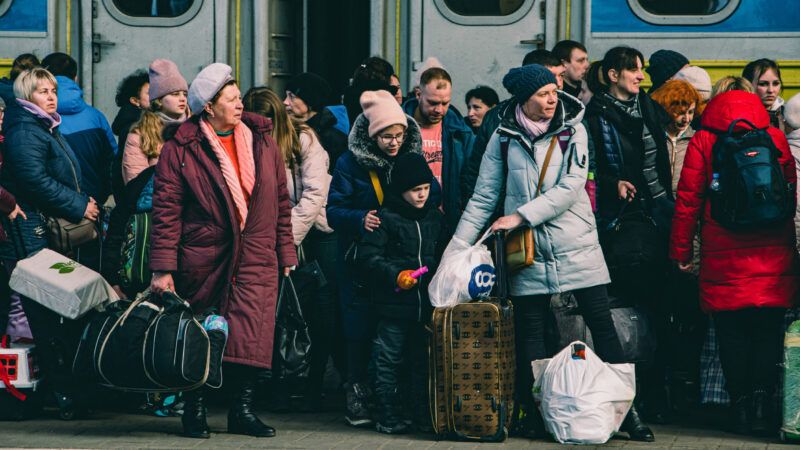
pixel 409 238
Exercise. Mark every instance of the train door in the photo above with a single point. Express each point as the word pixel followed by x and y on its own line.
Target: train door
pixel 477 41
pixel 127 35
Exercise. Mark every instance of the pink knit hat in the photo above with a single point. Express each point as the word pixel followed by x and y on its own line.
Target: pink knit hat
pixel 165 78
pixel 382 111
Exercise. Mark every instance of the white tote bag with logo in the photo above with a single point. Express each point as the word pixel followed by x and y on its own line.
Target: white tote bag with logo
pixel 60 284
pixel 465 273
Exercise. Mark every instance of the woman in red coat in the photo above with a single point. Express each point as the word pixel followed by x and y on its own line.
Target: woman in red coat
pixel 222 234
pixel 747 278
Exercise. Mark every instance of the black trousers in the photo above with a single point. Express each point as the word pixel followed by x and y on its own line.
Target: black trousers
pixel 530 316
pixel 400 344
pixel 750 346
pixel 321 313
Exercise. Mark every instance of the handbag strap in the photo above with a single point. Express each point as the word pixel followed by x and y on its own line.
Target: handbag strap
pixel 376 184
pixel 546 163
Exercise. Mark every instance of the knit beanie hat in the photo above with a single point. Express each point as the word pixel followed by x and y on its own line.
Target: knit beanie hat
pixel 409 171
pixel 382 111
pixel 429 63
pixel 698 78
pixel 165 78
pixel 522 82
pixel 791 112
pixel 311 88
pixel 207 84
pixel 663 65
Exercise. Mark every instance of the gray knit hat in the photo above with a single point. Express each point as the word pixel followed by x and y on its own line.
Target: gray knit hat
pixel 522 82
pixel 207 84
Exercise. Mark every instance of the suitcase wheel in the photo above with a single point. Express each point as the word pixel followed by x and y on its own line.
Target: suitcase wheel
pixel 457 406
pixel 490 330
pixel 457 330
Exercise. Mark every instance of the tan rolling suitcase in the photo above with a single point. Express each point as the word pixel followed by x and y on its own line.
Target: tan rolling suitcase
pixel 472 365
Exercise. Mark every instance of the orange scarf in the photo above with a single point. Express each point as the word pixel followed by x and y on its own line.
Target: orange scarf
pixel 240 182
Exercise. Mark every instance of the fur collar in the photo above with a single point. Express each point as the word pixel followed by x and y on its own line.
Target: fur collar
pixel 365 149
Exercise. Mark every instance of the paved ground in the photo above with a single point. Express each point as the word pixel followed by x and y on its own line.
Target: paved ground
pixel 111 430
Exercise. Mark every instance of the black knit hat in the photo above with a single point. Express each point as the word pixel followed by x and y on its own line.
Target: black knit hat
pixel 311 88
pixel 663 65
pixel 522 82
pixel 409 171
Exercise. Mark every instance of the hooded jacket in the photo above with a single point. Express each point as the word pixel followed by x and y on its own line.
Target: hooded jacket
pixel 42 172
pixel 567 254
pixel 457 142
pixel 90 136
pixel 737 269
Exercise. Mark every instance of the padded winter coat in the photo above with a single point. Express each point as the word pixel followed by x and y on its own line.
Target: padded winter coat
pixel 737 269
pixel 310 193
pixel 196 236
pixel 567 252
pixel 90 136
pixel 794 146
pixel 42 172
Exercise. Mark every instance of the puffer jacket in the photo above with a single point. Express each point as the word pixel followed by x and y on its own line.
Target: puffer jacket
pixel 794 145
pixel 42 172
pixel 7 201
pixel 567 250
pixel 738 269
pixel 457 142
pixel 308 184
pixel 88 133
pixel 469 174
pixel 333 140
pixel 406 240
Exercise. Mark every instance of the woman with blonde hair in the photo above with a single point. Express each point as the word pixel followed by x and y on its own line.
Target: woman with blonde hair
pixel 168 108
pixel 729 83
pixel 308 181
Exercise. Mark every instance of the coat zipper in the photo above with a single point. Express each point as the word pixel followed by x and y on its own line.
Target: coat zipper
pixel 419 259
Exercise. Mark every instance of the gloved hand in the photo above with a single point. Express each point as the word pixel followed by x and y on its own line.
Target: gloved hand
pixel 405 281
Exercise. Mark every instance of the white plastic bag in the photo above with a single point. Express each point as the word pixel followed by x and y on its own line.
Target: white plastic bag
pixel 583 400
pixel 60 284
pixel 465 273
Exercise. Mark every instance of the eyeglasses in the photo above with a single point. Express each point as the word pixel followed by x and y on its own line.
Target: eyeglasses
pixel 388 138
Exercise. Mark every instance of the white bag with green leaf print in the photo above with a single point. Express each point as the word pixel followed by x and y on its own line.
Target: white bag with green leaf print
pixel 60 284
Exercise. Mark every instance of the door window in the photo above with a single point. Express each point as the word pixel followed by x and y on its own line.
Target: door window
pixel 683 12
pixel 164 13
pixel 484 12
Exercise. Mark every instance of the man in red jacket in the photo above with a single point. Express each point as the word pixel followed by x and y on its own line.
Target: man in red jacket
pixel 747 278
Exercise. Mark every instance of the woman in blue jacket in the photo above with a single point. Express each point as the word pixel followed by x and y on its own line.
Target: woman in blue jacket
pixel 378 136
pixel 43 174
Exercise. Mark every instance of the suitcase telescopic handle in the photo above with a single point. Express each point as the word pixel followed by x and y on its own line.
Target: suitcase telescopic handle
pixel 500 269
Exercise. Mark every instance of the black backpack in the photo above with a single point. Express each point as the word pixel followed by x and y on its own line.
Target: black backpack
pixel 749 190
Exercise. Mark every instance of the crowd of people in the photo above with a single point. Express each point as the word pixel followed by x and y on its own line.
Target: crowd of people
pixel 240 190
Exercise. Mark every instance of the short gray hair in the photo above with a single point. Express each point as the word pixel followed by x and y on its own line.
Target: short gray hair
pixel 27 82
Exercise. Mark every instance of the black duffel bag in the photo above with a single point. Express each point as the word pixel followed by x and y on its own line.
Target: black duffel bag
pixel 633 240
pixel 145 345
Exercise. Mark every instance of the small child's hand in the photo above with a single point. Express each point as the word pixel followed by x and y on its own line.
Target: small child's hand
pixel 405 281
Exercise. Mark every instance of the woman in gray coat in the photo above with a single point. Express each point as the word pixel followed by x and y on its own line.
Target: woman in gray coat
pixel 567 253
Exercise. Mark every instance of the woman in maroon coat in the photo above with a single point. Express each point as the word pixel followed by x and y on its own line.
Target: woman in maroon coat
pixel 747 278
pixel 222 234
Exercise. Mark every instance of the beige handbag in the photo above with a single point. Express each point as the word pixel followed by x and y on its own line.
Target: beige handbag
pixel 64 236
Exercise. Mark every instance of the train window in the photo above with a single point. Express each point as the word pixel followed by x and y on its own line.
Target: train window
pixel 153 8
pixel 4 5
pixel 484 12
pixel 164 13
pixel 683 12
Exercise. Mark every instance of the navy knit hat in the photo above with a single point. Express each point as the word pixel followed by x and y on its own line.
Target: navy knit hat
pixel 409 171
pixel 663 65
pixel 311 88
pixel 522 82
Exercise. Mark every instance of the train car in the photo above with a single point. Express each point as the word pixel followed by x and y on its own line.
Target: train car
pixel 266 41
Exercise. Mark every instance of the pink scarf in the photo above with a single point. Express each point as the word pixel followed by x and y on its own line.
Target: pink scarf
pixel 532 128
pixel 243 140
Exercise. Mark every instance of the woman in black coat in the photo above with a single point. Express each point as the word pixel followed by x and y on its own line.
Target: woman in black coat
pixel 41 171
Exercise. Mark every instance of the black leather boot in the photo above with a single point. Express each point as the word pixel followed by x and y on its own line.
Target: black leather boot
pixel 527 421
pixel 194 420
pixel 740 415
pixel 242 419
pixel 636 428
pixel 762 418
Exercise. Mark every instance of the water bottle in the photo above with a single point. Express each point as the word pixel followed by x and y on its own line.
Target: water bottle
pixel 715 183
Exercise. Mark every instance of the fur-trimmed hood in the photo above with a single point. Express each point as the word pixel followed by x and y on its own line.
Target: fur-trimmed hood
pixel 366 152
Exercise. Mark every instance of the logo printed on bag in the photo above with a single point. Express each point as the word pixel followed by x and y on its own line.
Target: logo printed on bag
pixel 481 281
pixel 65 267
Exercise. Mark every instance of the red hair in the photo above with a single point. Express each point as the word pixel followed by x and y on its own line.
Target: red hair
pixel 676 96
